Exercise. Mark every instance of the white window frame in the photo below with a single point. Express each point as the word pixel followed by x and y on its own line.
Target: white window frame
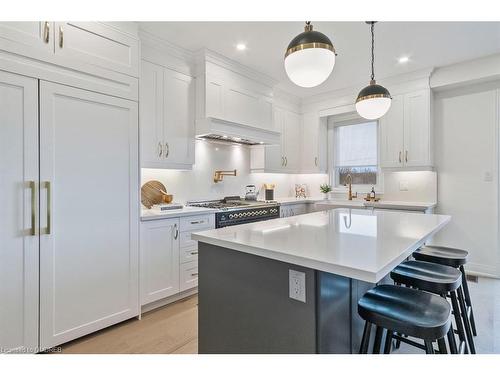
pixel 342 120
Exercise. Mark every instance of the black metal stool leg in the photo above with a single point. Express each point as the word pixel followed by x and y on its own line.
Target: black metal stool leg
pixel 465 318
pixel 388 342
pixel 378 340
pixel 468 301
pixel 451 341
pixel 442 346
pixel 429 349
pixel 363 349
pixel 458 320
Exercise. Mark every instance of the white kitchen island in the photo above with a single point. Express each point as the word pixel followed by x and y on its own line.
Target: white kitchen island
pixel 245 270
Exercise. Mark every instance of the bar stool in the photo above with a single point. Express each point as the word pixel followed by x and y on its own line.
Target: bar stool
pixel 453 257
pixel 412 312
pixel 441 280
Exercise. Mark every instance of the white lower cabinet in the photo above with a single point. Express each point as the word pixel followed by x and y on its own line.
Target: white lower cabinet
pixel 169 257
pixel 159 259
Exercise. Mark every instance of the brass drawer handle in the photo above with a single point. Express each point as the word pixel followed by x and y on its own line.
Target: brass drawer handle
pixel 160 150
pixel 176 232
pixel 406 156
pixel 282 161
pixel 400 156
pixel 46 32
pixel 167 150
pixel 194 274
pixel 61 37
pixel 316 161
pixel 48 228
pixel 286 161
pixel 33 208
pixel 194 252
pixel 197 222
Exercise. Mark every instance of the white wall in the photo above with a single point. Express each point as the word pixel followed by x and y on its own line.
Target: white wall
pixel 466 151
pixel 198 183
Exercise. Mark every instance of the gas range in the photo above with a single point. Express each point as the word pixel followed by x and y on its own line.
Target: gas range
pixel 234 210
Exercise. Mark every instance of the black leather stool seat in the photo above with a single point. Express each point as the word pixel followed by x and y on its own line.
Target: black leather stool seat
pixel 448 256
pixel 408 311
pixel 432 277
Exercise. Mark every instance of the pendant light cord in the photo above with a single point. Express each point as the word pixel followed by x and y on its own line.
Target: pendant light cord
pixel 373 54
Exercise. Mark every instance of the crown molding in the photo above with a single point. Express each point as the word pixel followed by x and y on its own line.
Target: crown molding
pixel 205 55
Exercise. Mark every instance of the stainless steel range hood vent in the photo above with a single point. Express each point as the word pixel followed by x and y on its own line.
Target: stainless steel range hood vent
pixel 227 139
pixel 226 131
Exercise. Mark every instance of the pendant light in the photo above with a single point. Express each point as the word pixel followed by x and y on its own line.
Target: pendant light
pixel 374 100
pixel 309 58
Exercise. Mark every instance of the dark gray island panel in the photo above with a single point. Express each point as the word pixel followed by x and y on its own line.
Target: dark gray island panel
pixel 243 305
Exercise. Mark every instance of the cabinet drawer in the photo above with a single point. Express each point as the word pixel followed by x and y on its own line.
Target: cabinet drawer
pixel 189 254
pixel 186 241
pixel 188 275
pixel 196 223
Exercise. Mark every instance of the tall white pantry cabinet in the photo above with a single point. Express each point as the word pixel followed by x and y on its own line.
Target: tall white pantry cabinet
pixel 68 250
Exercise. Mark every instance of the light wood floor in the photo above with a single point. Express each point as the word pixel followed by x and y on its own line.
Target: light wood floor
pixel 170 329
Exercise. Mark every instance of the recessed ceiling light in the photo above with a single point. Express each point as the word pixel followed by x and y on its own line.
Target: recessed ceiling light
pixel 241 46
pixel 237 139
pixel 403 59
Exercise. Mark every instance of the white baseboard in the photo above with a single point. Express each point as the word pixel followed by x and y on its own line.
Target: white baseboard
pixel 478 269
pixel 168 300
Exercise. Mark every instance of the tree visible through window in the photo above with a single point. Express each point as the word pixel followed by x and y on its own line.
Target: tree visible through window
pixel 356 153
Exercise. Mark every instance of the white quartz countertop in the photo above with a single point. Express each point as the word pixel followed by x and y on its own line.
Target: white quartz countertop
pixel 156 213
pixel 356 243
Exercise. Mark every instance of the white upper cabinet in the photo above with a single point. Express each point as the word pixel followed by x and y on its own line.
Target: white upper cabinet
pixel 84 46
pixel 314 146
pixel 405 132
pixel 285 157
pixel 166 118
pixel 226 95
pixel 33 39
pixel 97 44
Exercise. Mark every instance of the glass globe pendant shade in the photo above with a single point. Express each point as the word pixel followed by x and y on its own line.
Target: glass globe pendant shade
pixel 309 58
pixel 309 67
pixel 373 101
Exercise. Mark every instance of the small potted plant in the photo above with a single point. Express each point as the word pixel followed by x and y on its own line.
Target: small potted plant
pixel 325 189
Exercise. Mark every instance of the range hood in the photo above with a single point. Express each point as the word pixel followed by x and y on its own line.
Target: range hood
pixel 224 131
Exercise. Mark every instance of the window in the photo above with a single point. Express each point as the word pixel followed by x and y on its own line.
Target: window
pixel 356 153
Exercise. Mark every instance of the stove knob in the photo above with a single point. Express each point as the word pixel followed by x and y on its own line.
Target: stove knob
pixel 231 216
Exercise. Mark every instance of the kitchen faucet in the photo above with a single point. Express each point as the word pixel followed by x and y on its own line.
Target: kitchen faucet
pixel 350 195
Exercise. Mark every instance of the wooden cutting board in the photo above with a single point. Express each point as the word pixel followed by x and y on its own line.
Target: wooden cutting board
pixel 151 193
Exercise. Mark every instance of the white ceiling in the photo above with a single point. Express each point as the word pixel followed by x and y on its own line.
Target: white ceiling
pixel 427 44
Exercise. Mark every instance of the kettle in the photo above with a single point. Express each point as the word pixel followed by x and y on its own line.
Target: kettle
pixel 251 193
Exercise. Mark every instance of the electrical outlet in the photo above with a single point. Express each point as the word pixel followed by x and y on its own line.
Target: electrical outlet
pixel 297 285
pixel 403 185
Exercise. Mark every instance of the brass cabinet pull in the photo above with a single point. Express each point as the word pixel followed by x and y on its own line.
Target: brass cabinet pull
pixel 406 156
pixel 282 161
pixel 316 161
pixel 176 232
pixel 167 150
pixel 160 150
pixel 33 208
pixel 194 252
pixel 197 222
pixel 194 274
pixel 286 161
pixel 48 228
pixel 400 156
pixel 46 32
pixel 61 37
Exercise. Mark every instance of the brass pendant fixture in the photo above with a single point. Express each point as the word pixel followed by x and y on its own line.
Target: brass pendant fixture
pixel 309 58
pixel 374 100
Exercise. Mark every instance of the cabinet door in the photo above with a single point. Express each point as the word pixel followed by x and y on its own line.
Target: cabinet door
pixel 18 222
pixel 151 107
pixel 391 128
pixel 291 136
pixel 96 44
pixel 33 39
pixel 88 257
pixel 274 158
pixel 159 259
pixel 243 106
pixel 417 151
pixel 178 104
